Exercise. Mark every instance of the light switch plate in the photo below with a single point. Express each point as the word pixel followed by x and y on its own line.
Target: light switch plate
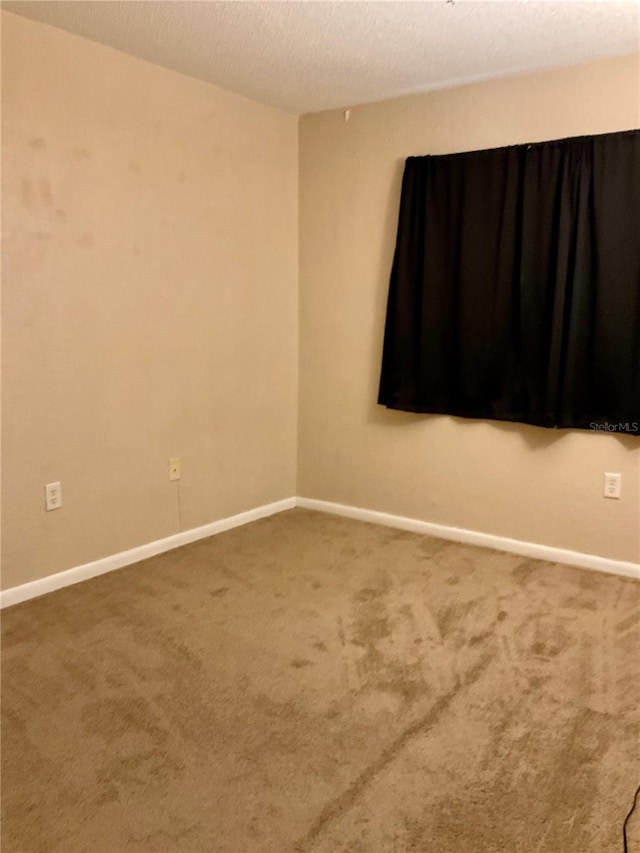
pixel 174 468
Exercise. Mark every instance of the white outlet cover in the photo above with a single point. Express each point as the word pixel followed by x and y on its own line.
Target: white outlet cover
pixel 612 485
pixel 53 496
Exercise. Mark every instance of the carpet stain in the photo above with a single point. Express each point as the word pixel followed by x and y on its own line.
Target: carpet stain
pixel 219 592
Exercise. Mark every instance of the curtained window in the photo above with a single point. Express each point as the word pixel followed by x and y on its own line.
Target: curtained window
pixel 515 288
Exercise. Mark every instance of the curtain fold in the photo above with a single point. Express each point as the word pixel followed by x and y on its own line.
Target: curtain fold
pixel 515 286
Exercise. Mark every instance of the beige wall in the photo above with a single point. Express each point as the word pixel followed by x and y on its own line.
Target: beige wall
pixel 511 480
pixel 149 300
pixel 150 309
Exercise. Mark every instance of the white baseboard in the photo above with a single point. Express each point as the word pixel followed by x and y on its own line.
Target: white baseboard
pixel 473 537
pixel 17 594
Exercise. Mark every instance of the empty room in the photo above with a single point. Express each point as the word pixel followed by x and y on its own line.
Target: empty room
pixel 320 426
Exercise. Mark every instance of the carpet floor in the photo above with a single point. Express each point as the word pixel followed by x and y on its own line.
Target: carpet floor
pixel 314 684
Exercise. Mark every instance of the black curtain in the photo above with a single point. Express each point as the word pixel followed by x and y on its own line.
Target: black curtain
pixel 515 288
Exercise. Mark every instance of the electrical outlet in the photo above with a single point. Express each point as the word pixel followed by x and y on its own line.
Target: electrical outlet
pixel 612 485
pixel 174 468
pixel 53 496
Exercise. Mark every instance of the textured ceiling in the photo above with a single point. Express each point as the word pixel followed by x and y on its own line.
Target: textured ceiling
pixel 311 56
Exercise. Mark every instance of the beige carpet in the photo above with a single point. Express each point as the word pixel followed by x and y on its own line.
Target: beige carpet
pixel 314 684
